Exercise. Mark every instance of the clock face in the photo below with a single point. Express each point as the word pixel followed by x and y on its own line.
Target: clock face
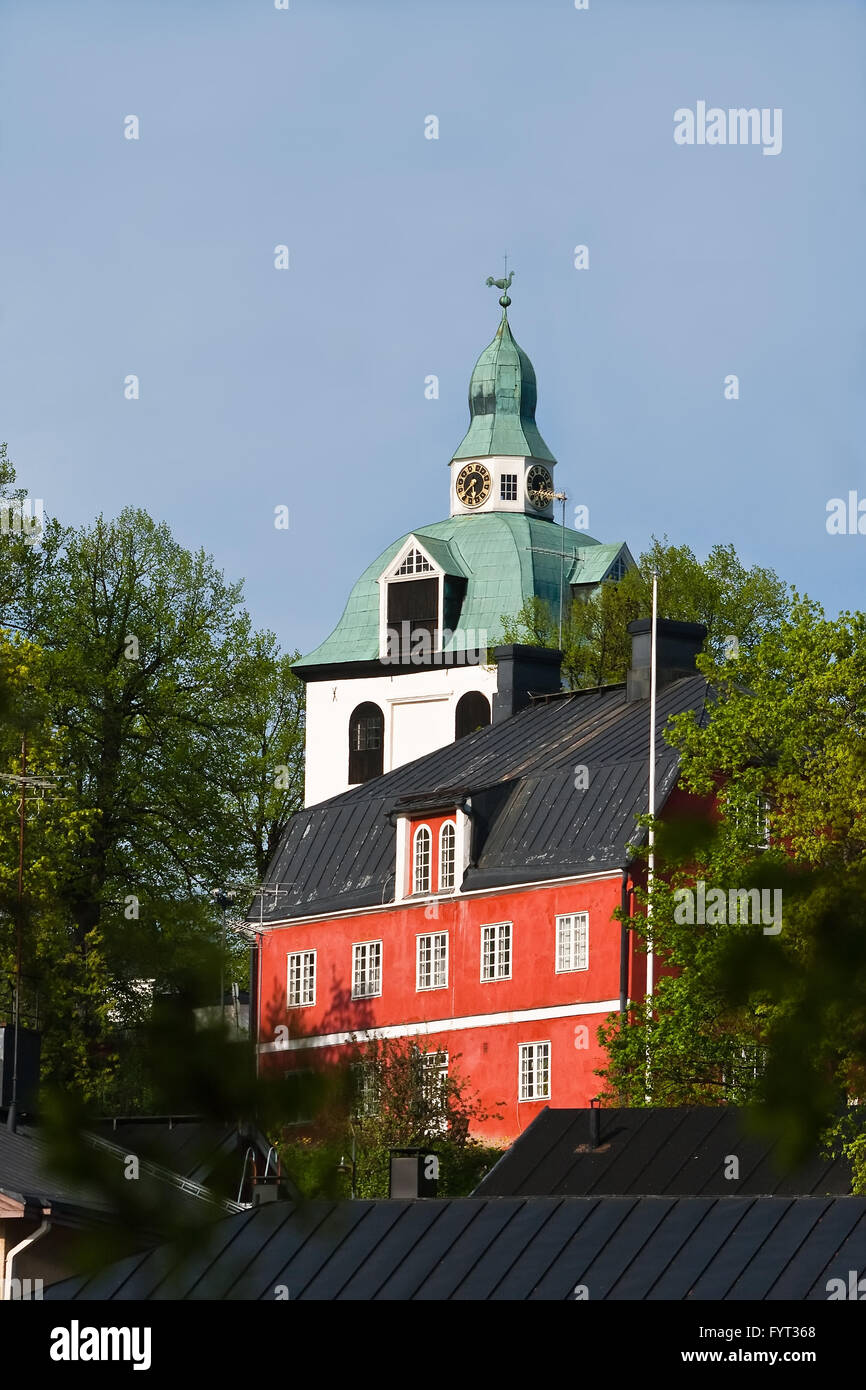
pixel 539 486
pixel 473 484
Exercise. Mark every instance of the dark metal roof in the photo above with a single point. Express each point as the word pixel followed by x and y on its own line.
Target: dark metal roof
pixel 189 1146
pixel 676 1152
pixel 25 1175
pixel 725 1248
pixel 530 821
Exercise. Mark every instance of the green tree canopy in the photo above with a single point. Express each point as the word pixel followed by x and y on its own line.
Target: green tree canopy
pixel 776 1018
pixel 720 592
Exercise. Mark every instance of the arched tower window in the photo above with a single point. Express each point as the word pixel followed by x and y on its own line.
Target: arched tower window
pixel 421 860
pixel 447 843
pixel 472 713
pixel 366 743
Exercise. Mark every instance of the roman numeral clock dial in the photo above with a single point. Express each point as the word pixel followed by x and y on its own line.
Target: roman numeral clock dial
pixel 539 487
pixel 473 484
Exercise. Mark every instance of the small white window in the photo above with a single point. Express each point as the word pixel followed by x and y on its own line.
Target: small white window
pixel 414 563
pixel 434 1072
pixel 572 941
pixel 301 989
pixel 421 860
pixel 496 951
pixel 535 1071
pixel 754 818
pixel 508 487
pixel 433 960
pixel 447 841
pixel 366 1086
pixel 366 969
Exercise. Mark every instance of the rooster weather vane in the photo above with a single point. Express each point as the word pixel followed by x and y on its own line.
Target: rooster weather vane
pixel 504 284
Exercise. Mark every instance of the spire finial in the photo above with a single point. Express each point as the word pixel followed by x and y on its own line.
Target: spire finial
pixel 503 284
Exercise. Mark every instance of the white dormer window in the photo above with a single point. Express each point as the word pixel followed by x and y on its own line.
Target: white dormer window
pixel 411 598
pixel 415 563
pixel 429 859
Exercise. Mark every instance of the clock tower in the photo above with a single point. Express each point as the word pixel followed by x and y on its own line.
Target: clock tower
pixel 502 463
pixel 408 667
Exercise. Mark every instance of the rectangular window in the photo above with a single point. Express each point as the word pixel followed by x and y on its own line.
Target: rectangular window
pixel 535 1071
pixel 496 951
pixel 572 941
pixel 434 1072
pixel 433 960
pixel 753 817
pixel 508 487
pixel 367 733
pixel 415 601
pixel 366 1084
pixel 301 989
pixel 366 969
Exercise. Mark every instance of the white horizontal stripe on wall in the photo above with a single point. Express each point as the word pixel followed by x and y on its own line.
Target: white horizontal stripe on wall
pixel 442 1025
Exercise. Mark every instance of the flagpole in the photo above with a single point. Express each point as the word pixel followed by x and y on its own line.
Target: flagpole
pixel 650 959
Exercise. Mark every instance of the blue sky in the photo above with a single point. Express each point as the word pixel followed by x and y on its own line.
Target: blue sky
pixel 305 387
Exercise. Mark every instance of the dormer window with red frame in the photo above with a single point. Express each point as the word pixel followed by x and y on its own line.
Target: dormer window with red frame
pixel 432 862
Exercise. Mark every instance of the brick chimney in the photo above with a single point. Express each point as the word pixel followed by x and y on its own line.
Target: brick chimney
pixel 677 645
pixel 521 672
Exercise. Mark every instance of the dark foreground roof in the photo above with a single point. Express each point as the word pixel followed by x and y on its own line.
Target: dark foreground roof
pixel 530 821
pixel 187 1145
pixel 26 1177
pixel 677 1152
pixel 508 1248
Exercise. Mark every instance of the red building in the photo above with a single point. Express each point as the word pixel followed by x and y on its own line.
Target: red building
pixel 466 899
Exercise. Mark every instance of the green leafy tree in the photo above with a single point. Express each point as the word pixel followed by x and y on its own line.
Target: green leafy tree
pixel 396 1096
pixel 58 981
pixel 720 592
pixel 263 772
pixel 178 735
pixel 775 1018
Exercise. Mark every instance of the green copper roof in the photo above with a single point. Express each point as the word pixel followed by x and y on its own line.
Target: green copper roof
pixel 593 562
pixel 442 554
pixel 508 557
pixel 502 400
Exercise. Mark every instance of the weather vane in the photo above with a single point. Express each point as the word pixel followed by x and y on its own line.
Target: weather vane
pixel 504 284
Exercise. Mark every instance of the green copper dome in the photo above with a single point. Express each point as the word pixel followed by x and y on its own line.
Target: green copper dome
pixel 502 399
pixel 505 557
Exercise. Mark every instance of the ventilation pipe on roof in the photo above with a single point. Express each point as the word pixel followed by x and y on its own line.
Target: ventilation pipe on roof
pixel 521 672
pixel 677 645
pixel 594 1123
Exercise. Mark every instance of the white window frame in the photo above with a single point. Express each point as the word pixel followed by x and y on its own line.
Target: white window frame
pixel 365 946
pixel 562 917
pixel 435 1072
pixel 504 932
pixel 419 564
pixel 431 937
pixel 427 889
pixel 449 888
pixel 366 1096
pixel 303 1003
pixel 513 487
pixel 522 1048
pixel 756 816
